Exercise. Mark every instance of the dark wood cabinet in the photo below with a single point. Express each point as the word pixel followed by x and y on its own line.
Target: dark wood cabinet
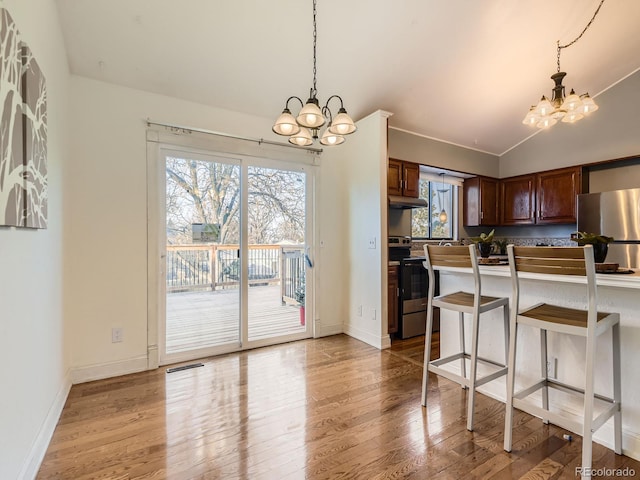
pixel 403 178
pixel 393 284
pixel 541 198
pixel 556 193
pixel 518 200
pixel 480 201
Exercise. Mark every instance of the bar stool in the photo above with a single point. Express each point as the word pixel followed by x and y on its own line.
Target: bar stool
pixel 461 302
pixel 589 323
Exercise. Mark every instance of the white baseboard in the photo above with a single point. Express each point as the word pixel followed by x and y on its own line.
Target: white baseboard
pixel 41 443
pixel 322 330
pixel 366 337
pixel 107 370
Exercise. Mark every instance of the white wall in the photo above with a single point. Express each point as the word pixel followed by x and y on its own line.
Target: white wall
pixel 428 151
pixel 365 208
pixel 34 376
pixel 609 133
pixel 107 224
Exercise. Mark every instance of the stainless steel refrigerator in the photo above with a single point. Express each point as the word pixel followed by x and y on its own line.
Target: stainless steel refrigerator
pixel 614 214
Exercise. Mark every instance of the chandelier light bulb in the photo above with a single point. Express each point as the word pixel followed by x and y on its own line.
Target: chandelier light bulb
pixel 302 138
pixel 544 107
pixel 572 102
pixel 342 123
pixel 286 124
pixel 573 116
pixel 588 105
pixel 546 122
pixel 331 139
pixel 443 216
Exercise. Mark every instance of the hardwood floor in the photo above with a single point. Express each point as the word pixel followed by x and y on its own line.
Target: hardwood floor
pixel 320 409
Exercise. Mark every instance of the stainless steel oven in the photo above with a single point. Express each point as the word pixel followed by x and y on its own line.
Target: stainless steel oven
pixel 414 283
pixel 413 280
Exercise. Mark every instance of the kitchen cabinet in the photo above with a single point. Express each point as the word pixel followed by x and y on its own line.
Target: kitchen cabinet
pixel 541 198
pixel 403 178
pixel 480 201
pixel 518 200
pixel 556 195
pixel 393 285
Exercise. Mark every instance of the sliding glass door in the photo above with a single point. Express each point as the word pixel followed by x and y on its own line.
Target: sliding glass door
pixel 235 260
pixel 276 269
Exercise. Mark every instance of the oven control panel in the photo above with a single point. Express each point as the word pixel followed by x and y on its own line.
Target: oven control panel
pixel 399 242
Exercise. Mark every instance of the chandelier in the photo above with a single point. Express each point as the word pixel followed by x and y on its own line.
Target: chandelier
pixel 303 129
pixel 568 109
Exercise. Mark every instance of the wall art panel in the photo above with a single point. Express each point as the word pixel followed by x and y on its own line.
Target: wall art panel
pixel 23 132
pixel 34 93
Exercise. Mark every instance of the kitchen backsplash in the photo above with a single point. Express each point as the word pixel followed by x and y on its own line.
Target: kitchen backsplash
pixel 418 250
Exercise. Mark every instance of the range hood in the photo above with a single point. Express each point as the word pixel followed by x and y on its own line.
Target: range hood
pixel 396 201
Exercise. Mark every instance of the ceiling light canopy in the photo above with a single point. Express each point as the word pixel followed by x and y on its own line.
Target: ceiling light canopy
pixel 303 129
pixel 568 109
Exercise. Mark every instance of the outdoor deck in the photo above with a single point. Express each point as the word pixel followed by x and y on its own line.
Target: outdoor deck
pixel 209 318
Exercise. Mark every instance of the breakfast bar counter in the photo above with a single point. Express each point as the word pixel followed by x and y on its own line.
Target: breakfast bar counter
pixel 616 293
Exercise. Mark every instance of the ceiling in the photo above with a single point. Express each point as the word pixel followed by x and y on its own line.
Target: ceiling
pixel 461 71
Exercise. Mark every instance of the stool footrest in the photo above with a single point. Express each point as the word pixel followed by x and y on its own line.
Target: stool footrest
pixel 558 418
pixel 434 366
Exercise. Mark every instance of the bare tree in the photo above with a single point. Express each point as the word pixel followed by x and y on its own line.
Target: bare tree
pixel 209 193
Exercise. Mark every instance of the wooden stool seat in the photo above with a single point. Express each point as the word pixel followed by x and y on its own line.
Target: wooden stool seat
pixel 461 302
pixel 465 299
pixel 560 315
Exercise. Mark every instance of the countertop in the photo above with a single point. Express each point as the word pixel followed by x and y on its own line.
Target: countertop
pixel 603 279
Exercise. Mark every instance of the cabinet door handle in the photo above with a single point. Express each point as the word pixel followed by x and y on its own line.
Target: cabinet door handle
pixel 481 215
pixel 398 292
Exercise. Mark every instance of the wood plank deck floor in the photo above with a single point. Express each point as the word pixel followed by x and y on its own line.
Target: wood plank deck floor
pixel 316 409
pixel 209 318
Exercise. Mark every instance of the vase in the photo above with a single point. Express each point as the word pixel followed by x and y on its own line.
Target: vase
pixel 485 249
pixel 600 252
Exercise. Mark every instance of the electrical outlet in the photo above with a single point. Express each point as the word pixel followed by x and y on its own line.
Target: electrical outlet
pixel 372 243
pixel 373 314
pixel 552 367
pixel 117 335
pixel 359 310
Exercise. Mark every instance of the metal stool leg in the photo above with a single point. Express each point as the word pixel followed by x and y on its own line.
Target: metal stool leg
pixel 474 368
pixel 617 393
pixel 511 375
pixel 587 433
pixel 463 368
pixel 543 372
pixel 427 355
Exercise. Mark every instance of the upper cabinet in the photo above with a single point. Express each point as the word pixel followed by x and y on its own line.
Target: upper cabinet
pixel 403 178
pixel 557 192
pixel 540 198
pixel 480 201
pixel 518 200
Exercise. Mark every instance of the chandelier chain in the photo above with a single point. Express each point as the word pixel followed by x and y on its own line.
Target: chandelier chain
pixel 315 37
pixel 560 47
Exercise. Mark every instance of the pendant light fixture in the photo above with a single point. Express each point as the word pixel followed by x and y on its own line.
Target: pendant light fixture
pixel 443 213
pixel 303 129
pixel 569 109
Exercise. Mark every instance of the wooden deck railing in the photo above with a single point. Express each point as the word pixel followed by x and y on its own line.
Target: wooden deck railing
pixel 214 267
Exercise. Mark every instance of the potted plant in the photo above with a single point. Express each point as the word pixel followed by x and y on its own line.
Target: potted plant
pixel 484 242
pixel 300 294
pixel 502 245
pixel 600 244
